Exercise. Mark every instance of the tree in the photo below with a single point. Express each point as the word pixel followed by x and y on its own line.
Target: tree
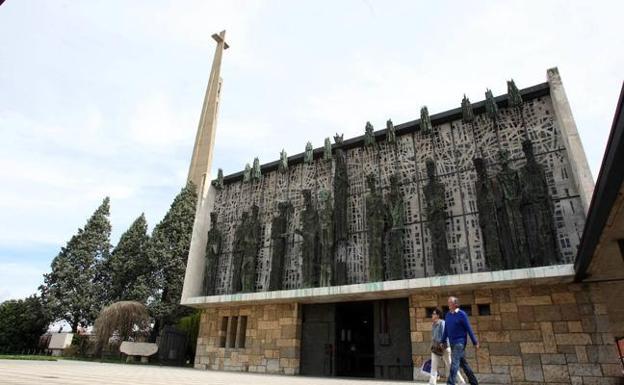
pixel 73 290
pixel 128 270
pixel 127 318
pixel 22 322
pixel 169 247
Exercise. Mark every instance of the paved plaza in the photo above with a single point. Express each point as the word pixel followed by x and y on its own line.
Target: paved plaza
pixel 14 372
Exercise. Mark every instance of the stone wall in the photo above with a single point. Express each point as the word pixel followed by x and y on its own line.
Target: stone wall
pixel 272 343
pixel 545 334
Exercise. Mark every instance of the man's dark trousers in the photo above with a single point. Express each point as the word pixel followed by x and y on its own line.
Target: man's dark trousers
pixel 458 360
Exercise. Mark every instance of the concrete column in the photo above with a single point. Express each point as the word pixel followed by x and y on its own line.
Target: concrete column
pixel 196 263
pixel 228 333
pixel 583 179
pixel 199 173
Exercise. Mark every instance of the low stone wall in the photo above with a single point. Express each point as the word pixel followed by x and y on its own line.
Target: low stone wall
pixel 544 334
pixel 272 343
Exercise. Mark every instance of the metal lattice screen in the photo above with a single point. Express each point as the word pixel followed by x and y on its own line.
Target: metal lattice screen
pixel 453 146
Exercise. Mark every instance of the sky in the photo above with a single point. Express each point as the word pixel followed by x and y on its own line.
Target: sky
pixel 102 98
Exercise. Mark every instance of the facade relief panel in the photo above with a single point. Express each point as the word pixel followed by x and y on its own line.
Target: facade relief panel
pixel 470 213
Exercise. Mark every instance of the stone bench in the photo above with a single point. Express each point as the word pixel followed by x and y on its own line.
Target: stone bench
pixel 138 349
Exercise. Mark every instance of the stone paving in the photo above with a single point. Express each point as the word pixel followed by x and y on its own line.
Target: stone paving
pixel 14 372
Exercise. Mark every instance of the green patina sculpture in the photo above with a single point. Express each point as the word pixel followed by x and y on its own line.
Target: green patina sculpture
pixel 436 218
pixel 238 252
pixel 490 105
pixel 341 191
pixel 488 218
pixel 390 132
pixel 369 134
pixel 515 102
pixel 326 224
pixel 341 194
pixel 511 233
pixel 218 183
pixel 247 173
pixel 308 157
pixel 375 229
pixel 213 253
pixel 467 113
pixel 537 211
pixel 279 241
pixel 327 150
pixel 513 94
pixel 425 120
pixel 256 174
pixel 283 163
pixel 253 238
pixel 310 231
pixel 395 210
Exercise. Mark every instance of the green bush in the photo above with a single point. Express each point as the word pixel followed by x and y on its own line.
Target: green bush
pixel 82 346
pixel 190 326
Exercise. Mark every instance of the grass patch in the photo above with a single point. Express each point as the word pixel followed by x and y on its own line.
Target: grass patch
pixel 110 360
pixel 27 358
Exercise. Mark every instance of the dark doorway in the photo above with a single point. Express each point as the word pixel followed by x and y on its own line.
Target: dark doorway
pixel 317 340
pixel 357 339
pixel 393 347
pixel 172 346
pixel 355 343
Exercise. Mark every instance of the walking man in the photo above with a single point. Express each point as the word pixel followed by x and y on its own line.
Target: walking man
pixel 457 328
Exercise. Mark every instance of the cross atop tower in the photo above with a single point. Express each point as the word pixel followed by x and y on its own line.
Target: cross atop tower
pixel 220 38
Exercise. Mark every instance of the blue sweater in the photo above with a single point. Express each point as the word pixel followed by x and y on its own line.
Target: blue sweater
pixel 456 328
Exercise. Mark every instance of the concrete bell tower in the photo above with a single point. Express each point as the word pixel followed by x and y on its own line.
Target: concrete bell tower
pixel 199 174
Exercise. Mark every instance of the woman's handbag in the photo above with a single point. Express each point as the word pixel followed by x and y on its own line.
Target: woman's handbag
pixel 438 348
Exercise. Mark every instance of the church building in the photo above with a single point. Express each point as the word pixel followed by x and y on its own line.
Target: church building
pixel 329 262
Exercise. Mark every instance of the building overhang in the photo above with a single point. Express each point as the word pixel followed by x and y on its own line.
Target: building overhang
pixel 394 289
pixel 604 227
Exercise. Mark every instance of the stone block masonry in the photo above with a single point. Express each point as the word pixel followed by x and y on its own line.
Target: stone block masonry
pixel 542 334
pixel 530 333
pixel 271 343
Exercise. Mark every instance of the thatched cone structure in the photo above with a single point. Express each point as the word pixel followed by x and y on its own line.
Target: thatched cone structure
pixel 127 318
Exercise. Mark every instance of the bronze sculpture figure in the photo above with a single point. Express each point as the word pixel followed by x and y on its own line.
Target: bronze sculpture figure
pixel 436 217
pixel 488 218
pixel 510 225
pixel 375 229
pixel 213 253
pixel 395 223
pixel 537 211
pixel 310 247
pixel 279 240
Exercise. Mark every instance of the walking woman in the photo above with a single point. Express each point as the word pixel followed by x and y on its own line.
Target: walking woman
pixel 440 350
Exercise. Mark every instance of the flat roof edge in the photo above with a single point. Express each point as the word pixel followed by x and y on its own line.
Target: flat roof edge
pixel 529 93
pixel 389 289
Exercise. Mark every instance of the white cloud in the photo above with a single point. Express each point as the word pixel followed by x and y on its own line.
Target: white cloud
pixel 115 107
pixel 20 279
pixel 155 125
